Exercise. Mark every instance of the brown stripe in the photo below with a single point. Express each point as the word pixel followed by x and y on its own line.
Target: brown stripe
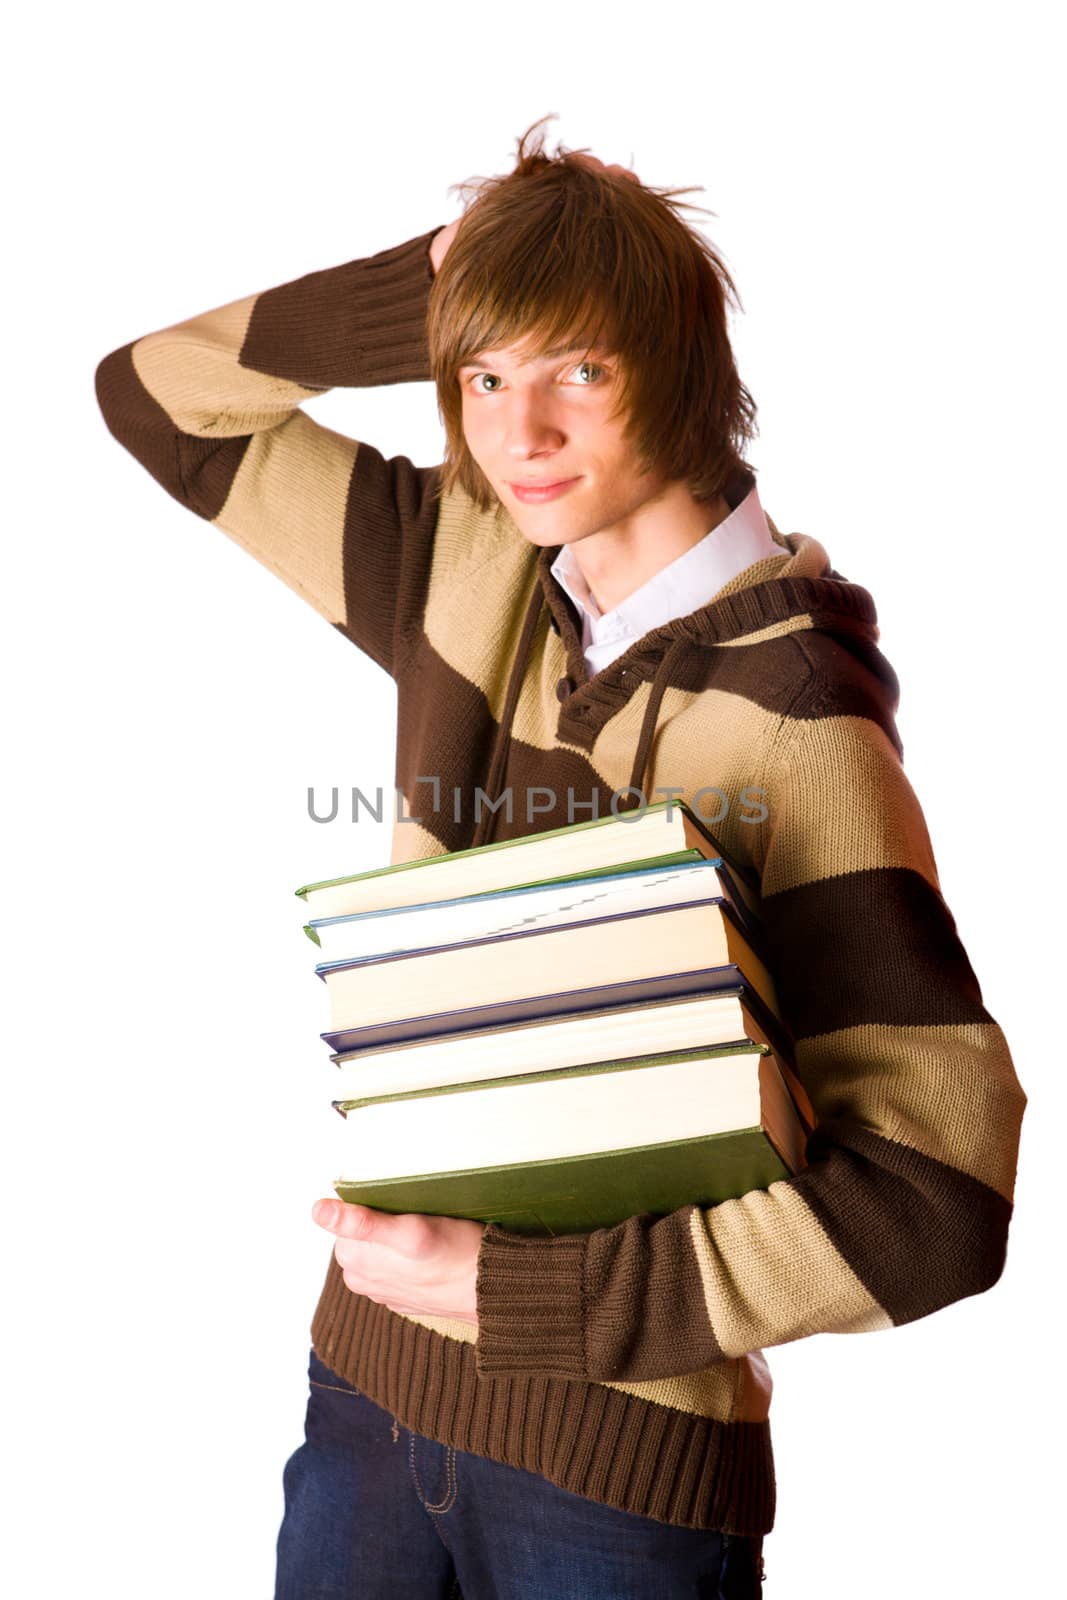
pixel 362 323
pixel 476 553
pixel 625 1301
pixel 906 966
pixel 742 606
pixel 836 679
pixel 573 785
pixel 918 1233
pixel 949 1092
pixel 689 1471
pixel 426 748
pixel 727 1391
pixel 769 677
pixel 388 544
pixel 644 1300
pixel 197 472
pixel 780 676
pixel 850 677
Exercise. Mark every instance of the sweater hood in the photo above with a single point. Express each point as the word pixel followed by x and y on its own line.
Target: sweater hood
pixel 797 591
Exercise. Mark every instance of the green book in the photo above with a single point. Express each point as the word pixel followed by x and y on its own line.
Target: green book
pixel 577 1149
pixel 665 834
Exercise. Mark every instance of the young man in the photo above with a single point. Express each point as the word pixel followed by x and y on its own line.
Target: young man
pixel 584 607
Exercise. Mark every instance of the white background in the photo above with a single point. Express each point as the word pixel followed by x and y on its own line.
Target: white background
pixel 886 192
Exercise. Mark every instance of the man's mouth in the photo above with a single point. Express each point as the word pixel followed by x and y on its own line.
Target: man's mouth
pixel 535 493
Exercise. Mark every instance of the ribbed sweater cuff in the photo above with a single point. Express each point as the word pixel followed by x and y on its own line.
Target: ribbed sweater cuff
pixel 390 323
pixel 530 1304
pixel 356 325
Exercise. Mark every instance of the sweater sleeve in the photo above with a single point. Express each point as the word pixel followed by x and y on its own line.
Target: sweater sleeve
pixel 211 408
pixel 905 1202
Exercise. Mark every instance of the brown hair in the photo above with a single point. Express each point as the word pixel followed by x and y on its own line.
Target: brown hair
pixel 557 249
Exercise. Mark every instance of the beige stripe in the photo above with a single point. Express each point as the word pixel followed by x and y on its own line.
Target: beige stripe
pixel 771 1274
pixel 449 1327
pixel 480 568
pixel 842 802
pixel 484 558
pixel 776 630
pixel 742 732
pixel 843 768
pixel 734 734
pixel 486 563
pixel 411 841
pixel 848 806
pixel 466 538
pixel 613 751
pixel 949 1092
pixel 286 507
pixel 758 572
pixel 808 560
pixel 740 727
pixel 179 366
pixel 729 1391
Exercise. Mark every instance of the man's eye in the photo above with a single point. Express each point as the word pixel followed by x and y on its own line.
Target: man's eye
pixel 588 366
pixel 489 376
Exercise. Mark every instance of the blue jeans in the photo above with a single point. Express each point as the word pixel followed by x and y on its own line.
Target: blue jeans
pixel 375 1512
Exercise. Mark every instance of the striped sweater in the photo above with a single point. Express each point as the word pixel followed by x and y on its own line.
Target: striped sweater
pixel 625 1364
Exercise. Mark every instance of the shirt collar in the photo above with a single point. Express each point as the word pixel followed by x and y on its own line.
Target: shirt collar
pixel 690 580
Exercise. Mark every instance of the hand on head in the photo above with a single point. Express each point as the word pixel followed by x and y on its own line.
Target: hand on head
pixel 441 241
pixel 594 161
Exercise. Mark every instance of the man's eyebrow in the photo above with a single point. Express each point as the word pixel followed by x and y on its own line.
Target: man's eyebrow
pixel 573 349
pixel 481 358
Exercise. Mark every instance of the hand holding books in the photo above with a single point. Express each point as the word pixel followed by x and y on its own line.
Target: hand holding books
pixel 424 1265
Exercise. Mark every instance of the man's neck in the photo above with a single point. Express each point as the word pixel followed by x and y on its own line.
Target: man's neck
pixel 618 561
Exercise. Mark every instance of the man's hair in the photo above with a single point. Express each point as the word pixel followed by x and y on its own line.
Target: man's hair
pixel 555 252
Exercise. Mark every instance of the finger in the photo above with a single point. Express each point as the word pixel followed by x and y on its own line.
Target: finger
pixel 615 168
pixel 350 1221
pixel 373 1275
pixel 386 1288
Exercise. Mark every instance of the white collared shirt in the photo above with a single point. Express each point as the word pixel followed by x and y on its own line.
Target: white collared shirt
pixel 691 580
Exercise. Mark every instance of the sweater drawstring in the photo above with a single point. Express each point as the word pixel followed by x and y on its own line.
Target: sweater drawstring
pixel 483 833
pixel 648 724
pixel 502 740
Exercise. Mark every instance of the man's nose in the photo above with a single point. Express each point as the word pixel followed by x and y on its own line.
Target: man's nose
pixel 532 426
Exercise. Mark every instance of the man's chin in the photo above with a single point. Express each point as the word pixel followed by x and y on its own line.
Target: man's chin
pixel 543 538
pixel 544 532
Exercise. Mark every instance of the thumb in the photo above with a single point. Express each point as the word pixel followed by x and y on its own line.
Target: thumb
pixel 346 1221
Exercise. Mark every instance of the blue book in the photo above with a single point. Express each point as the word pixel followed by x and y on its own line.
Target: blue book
pixel 370 934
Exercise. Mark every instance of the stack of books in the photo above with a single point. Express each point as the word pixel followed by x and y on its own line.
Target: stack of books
pixel 559 1031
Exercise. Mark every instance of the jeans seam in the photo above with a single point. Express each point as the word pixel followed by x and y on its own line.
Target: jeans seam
pixel 451 1491
pixel 337 1388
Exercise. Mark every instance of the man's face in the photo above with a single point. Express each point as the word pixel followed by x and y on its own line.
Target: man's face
pixel 542 433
